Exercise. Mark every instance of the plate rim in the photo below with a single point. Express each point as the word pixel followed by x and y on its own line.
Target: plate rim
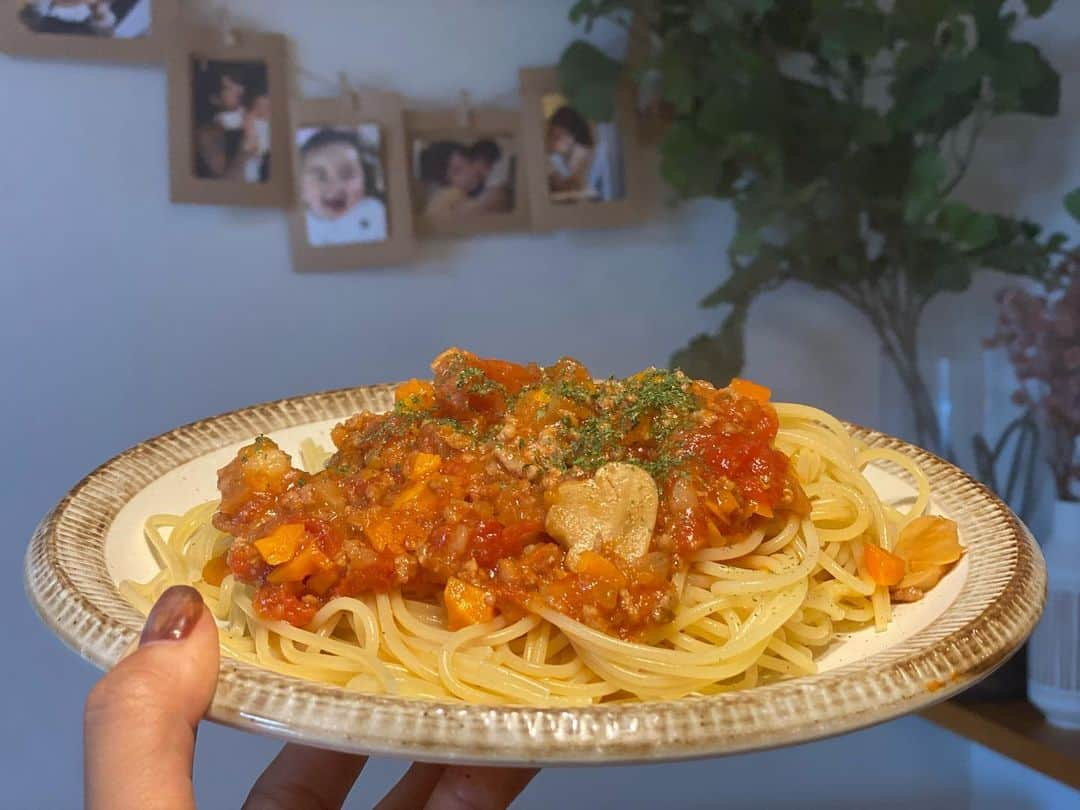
pixel 69 599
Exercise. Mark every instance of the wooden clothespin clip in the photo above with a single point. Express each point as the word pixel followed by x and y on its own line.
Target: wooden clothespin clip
pixel 228 34
pixel 464 111
pixel 348 92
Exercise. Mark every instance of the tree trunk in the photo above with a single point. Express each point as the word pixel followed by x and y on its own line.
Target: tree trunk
pixel 929 432
pixel 896 321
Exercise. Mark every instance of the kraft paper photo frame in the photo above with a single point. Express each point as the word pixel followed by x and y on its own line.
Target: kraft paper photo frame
pixel 229 94
pixel 466 169
pixel 352 206
pixel 135 31
pixel 580 173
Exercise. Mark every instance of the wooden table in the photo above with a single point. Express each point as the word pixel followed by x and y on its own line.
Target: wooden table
pixel 1017 730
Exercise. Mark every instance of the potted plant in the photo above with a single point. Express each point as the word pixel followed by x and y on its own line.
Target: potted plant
pixel 838 131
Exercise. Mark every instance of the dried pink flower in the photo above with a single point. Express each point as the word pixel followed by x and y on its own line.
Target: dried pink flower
pixel 1039 333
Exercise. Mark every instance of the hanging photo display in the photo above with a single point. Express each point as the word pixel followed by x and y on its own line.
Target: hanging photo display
pixel 108 30
pixel 582 173
pixel 465 168
pixel 229 129
pixel 352 207
pixel 359 175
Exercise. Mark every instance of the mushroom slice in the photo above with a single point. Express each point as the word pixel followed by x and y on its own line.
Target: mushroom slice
pixel 613 511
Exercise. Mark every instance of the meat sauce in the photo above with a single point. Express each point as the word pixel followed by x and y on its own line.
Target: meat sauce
pixel 448 496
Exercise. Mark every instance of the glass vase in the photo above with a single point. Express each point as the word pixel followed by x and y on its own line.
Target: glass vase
pixel 929 408
pixel 1054 649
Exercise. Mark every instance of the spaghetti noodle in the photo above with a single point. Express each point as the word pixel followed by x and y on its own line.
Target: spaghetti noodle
pixel 525 535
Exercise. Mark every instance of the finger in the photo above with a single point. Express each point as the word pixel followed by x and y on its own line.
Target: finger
pixel 302 778
pixel 413 789
pixel 139 726
pixel 466 787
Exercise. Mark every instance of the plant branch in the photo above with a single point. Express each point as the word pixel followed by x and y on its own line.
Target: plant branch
pixel 978 123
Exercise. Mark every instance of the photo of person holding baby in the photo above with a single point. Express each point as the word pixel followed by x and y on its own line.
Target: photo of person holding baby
pixel 232 121
pixel 342 185
pixel 119 19
pixel 584 159
pixel 459 179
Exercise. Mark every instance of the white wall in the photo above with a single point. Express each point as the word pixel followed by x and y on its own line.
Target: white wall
pixel 125 315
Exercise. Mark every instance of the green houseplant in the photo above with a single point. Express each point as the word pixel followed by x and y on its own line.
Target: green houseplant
pixel 838 130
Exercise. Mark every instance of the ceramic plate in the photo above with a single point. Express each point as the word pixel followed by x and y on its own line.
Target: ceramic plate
pixel 978 615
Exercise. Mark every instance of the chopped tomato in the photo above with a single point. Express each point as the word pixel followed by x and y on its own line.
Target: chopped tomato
pixel 455 485
pixel 285 602
pixel 493 542
pixel 750 389
pixel 246 563
pixel 511 376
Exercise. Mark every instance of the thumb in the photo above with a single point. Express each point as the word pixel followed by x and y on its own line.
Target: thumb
pixel 140 720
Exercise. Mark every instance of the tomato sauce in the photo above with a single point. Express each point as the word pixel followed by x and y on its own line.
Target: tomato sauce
pixel 448 496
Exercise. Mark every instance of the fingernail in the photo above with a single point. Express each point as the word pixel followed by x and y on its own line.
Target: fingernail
pixel 173 616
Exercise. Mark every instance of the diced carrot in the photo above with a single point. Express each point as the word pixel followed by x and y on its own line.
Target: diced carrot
pixel 415 395
pixel 215 570
pixel 884 568
pixel 322 581
pixel 380 533
pixel 424 464
pixel 591 564
pixel 762 509
pixel 309 561
pixel 280 545
pixel 750 389
pixel 410 493
pixel 466 604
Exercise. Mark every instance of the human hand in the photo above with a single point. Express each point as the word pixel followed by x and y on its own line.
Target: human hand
pixel 141 719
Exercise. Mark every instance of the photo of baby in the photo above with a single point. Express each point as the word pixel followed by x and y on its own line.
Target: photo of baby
pixel 118 19
pixel 460 179
pixel 584 158
pixel 342 185
pixel 231 138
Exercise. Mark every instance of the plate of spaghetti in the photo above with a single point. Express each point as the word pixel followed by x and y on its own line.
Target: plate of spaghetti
pixel 524 564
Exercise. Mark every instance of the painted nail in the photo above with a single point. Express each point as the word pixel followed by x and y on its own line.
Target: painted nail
pixel 173 616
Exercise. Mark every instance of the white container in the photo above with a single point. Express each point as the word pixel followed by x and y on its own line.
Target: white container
pixel 1054 651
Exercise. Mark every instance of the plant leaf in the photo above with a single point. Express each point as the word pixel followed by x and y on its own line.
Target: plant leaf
pixel 589 78
pixel 1040 93
pixel 1021 256
pixel 717 357
pixel 924 184
pixel 1072 203
pixel 1036 8
pixel 748 280
pixel 967 226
